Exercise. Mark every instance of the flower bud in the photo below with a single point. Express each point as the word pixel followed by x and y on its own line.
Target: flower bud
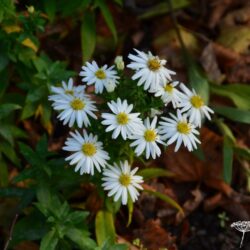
pixel 110 86
pixel 119 63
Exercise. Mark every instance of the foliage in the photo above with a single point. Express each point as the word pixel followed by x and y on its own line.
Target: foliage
pixel 39 180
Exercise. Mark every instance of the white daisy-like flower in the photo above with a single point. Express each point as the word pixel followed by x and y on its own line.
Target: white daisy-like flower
pixel 88 153
pixel 149 69
pixel 75 108
pixel 122 121
pixel 169 93
pixel 100 76
pixel 179 129
pixel 122 182
pixel 195 106
pixel 67 89
pixel 147 139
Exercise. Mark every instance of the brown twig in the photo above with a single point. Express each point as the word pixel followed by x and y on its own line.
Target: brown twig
pixel 11 232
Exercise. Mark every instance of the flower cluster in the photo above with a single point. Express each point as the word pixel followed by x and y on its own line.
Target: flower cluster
pixel 77 108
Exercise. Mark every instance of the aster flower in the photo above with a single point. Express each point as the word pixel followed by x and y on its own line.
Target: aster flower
pixel 195 106
pixel 147 139
pixel 121 121
pixel 149 69
pixel 179 129
pixel 88 153
pixel 122 182
pixel 169 93
pixel 67 89
pixel 75 108
pixel 100 76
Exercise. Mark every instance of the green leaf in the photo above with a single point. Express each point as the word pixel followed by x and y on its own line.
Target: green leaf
pixel 31 227
pixel 197 79
pixel 130 211
pixel 49 241
pixel 77 217
pixel 104 227
pixel 6 133
pixel 227 160
pixel 107 16
pixel 238 93
pixel 88 35
pixel 31 157
pixel 81 238
pixel 7 108
pixel 165 198
pixel 149 173
pixel 163 8
pixel 242 152
pixel 3 173
pixel 234 114
pixel 9 152
pixel 226 131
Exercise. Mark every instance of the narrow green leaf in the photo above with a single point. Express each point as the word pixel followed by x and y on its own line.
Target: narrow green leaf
pixel 226 131
pixel 149 173
pixel 49 241
pixel 234 114
pixel 130 211
pixel 163 8
pixel 227 160
pixel 197 79
pixel 242 152
pixel 107 16
pixel 7 108
pixel 165 198
pixel 104 227
pixel 31 227
pixel 88 35
pixel 238 93
pixel 9 152
pixel 81 238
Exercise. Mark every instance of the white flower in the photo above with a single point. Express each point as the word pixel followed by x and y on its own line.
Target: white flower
pixel 122 121
pixel 149 69
pixel 147 139
pixel 195 106
pixel 119 62
pixel 100 76
pixel 75 108
pixel 88 153
pixel 179 129
pixel 122 182
pixel 169 93
pixel 67 89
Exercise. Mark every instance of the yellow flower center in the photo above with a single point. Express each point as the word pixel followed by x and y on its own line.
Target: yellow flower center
pixel 169 88
pixel 197 101
pixel 77 104
pixel 122 118
pixel 100 74
pixel 69 92
pixel 125 180
pixel 150 135
pixel 183 128
pixel 88 149
pixel 154 64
